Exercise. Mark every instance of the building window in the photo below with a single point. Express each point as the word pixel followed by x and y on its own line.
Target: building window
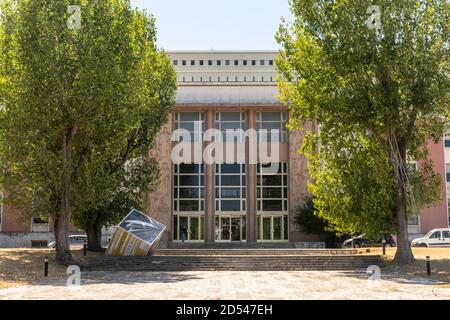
pixel 192 62
pixel 270 62
pixel 193 122
pixel 188 188
pixel 253 62
pixel 447 142
pixel 39 243
pixel 236 62
pixel 413 219
pixel 262 62
pixel 188 227
pixel 175 62
pixel 272 227
pixel 201 62
pixel 209 62
pixel 227 62
pixel 230 188
pixel 272 188
pixel 271 121
pixel 272 202
pixel 447 166
pixel 219 62
pixel 244 62
pixel 231 227
pixel 232 125
pixel 183 62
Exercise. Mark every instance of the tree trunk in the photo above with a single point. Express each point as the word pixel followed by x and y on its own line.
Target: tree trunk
pixel 61 226
pixel 62 221
pixel 404 253
pixel 94 235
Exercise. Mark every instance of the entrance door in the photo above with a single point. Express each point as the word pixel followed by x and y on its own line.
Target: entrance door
pixel 225 227
pixel 267 228
pixel 277 222
pixel 235 229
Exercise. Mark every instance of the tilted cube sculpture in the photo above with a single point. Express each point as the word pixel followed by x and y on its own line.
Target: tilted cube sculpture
pixel 137 235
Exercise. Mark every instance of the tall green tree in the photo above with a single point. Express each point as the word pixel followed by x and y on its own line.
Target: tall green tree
pixel 374 77
pixel 78 81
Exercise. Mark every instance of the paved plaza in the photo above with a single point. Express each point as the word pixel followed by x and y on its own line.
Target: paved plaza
pixel 234 286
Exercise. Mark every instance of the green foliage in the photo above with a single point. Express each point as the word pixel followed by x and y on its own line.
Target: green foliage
pixel 378 96
pixel 82 106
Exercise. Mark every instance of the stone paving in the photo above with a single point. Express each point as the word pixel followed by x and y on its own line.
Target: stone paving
pixel 233 286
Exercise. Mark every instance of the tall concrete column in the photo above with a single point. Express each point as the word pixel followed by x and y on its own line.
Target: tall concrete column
pixel 210 207
pixel 251 182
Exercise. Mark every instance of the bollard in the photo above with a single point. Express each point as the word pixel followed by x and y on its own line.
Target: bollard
pixel 46 267
pixel 428 266
pixel 84 248
pixel 384 247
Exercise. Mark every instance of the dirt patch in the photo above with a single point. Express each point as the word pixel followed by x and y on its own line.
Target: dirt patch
pixel 440 263
pixel 19 267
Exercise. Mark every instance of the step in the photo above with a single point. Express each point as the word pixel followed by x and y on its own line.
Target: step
pixel 253 251
pixel 229 262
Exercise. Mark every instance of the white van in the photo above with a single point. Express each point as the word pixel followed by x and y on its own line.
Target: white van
pixel 434 238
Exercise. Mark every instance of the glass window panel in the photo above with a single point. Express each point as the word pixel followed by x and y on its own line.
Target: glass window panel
pixel 271 168
pixel 217 230
pixel 230 116
pixel 202 228
pixel 230 180
pixel 272 205
pixel 194 228
pixel 271 116
pixel 258 227
pixel 272 193
pixel 244 228
pixel 267 228
pixel 189 205
pixel 189 168
pixel 189 193
pixel 189 116
pixel 274 180
pixel 225 228
pixel 232 126
pixel 188 180
pixel 270 126
pixel 230 168
pixel 183 228
pixel 175 228
pixel 230 205
pixel 277 228
pixel 230 193
pixel 286 227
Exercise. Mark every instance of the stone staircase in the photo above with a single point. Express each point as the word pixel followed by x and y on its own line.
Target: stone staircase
pixel 260 259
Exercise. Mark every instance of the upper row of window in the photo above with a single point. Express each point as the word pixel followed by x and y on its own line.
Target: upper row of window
pixel 223 62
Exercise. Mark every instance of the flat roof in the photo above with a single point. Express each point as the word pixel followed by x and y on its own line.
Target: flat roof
pixel 221 51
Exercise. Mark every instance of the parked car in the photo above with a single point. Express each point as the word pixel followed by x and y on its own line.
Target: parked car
pixel 434 238
pixel 74 240
pixel 361 241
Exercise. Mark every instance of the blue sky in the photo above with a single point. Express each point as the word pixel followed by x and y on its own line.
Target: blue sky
pixel 217 24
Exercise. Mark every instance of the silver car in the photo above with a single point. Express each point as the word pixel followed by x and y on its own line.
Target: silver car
pixel 75 240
